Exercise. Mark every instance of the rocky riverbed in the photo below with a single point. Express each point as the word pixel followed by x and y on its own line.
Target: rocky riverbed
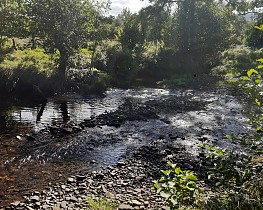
pixel 118 154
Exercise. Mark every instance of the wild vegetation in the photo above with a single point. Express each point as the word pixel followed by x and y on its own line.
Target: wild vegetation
pixel 165 41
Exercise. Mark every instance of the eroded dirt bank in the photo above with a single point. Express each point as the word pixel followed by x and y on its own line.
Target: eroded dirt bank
pixel 119 153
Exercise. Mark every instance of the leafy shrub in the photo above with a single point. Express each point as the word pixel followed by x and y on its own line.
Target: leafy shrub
pixel 87 80
pixel 237 177
pixel 237 60
pixel 34 60
pixel 81 59
pixel 178 187
pixel 22 70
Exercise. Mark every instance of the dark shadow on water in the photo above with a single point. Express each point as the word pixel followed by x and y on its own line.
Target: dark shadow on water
pixel 64 111
pixel 41 111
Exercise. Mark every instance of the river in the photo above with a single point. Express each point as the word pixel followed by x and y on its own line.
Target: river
pixel 190 116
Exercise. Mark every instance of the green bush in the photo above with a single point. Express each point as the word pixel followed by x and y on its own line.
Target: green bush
pixel 237 60
pixel 178 187
pixel 87 81
pixel 25 71
pixel 81 59
pixel 28 59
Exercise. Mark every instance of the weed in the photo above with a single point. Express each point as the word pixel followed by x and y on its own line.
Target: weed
pixel 100 204
pixel 178 187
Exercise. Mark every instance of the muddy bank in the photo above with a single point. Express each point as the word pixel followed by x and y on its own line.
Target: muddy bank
pixel 146 130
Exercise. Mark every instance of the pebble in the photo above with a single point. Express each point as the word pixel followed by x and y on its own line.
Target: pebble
pixel 34 198
pixel 125 207
pixel 63 204
pixel 70 180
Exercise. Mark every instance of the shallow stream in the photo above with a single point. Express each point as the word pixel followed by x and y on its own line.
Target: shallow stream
pixel 190 117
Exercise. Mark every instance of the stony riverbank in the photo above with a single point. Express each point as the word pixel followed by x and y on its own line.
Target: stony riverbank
pixel 129 183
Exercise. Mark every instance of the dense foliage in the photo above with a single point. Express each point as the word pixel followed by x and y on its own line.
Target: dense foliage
pixel 167 39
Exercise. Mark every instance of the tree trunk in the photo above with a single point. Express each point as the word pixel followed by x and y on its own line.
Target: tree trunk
pixel 93 54
pixel 14 44
pixel 63 62
pixel 33 41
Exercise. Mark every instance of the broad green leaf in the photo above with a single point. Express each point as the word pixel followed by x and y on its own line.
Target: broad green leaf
pixel 260 27
pixel 245 78
pixel 192 177
pixel 165 195
pixel 156 185
pixel 257 102
pixel 257 81
pixel 178 170
pixel 166 172
pixel 260 66
pixel 259 128
pixel 174 200
pixel 252 71
pixel 260 60
pixel 159 190
pixel 171 184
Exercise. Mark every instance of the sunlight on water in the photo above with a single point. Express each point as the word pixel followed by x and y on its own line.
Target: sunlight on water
pixel 75 108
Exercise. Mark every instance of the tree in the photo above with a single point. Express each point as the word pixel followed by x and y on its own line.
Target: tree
pixel 201 33
pixel 255 36
pixel 12 19
pixel 130 34
pixel 131 38
pixel 197 30
pixel 64 25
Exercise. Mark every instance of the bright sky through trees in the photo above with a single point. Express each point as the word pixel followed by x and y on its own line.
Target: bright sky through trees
pixel 134 5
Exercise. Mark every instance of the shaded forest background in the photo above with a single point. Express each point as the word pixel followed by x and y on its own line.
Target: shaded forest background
pixel 48 46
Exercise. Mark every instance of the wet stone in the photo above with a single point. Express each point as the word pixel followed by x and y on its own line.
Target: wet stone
pixel 64 204
pixel 34 198
pixel 125 207
pixel 71 180
pixel 80 178
pixel 73 199
pixel 135 203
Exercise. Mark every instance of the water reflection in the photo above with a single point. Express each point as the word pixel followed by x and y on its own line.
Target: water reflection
pixel 64 111
pixel 73 107
pixel 40 113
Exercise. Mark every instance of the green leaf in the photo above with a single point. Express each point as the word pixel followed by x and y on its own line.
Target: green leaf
pixel 260 66
pixel 171 184
pixel 257 102
pixel 210 176
pixel 171 164
pixel 260 60
pixel 192 177
pixel 229 136
pixel 252 71
pixel 174 200
pixel 159 190
pixel 166 172
pixel 260 27
pixel 245 78
pixel 165 195
pixel 156 185
pixel 259 128
pixel 257 81
pixel 191 185
pixel 178 170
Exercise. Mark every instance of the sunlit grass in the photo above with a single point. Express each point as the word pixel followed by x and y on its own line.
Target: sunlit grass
pixel 100 204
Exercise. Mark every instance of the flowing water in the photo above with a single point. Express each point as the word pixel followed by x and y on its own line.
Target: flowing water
pixel 209 114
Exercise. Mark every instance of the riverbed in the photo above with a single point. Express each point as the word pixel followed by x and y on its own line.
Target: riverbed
pixel 71 134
